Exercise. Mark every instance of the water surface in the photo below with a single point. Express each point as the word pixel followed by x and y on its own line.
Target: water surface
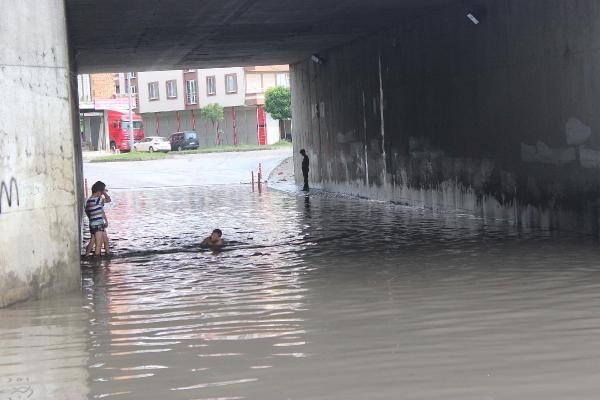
pixel 318 297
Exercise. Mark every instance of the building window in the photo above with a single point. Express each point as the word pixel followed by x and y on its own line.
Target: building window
pixel 172 89
pixel 84 86
pixel 231 83
pixel 153 90
pixel 211 85
pixel 283 79
pixel 191 95
pixel 133 89
pixel 129 83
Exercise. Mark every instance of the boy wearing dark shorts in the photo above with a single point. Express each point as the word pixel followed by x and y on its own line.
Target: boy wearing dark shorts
pixel 94 209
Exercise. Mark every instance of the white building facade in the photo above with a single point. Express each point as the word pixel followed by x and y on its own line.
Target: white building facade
pixel 171 101
pixel 161 91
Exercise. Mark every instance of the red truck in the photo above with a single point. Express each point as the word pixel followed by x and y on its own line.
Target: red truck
pixel 118 129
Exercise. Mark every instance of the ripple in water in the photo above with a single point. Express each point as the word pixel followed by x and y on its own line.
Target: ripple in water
pixel 315 298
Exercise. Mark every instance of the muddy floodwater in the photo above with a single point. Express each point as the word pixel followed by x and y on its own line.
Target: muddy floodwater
pixel 315 297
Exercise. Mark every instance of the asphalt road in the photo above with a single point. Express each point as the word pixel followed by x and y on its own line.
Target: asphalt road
pixel 185 170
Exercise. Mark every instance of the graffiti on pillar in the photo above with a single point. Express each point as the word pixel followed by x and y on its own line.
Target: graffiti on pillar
pixel 9 193
pixel 16 388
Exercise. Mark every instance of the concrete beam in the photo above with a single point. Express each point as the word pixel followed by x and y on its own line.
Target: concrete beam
pixel 39 225
pixel 147 35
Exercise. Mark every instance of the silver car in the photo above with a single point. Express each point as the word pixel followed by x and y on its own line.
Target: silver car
pixel 152 144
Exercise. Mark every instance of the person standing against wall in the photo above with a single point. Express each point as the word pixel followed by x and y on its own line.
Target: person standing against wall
pixel 305 163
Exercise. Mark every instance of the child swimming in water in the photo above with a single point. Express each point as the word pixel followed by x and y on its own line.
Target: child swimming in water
pixel 214 240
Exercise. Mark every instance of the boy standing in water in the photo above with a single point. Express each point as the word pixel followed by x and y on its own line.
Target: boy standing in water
pixel 214 240
pixel 94 209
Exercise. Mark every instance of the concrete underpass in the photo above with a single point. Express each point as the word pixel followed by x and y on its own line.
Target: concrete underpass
pixel 484 107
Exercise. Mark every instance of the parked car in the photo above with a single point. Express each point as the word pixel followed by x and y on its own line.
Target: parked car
pixel 153 143
pixel 187 140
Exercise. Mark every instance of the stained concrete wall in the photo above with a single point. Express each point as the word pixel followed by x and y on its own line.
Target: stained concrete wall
pixel 39 234
pixel 499 119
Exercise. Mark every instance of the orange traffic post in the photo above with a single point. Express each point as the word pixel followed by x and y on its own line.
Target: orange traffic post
pixel 259 178
pixel 253 181
pixel 259 173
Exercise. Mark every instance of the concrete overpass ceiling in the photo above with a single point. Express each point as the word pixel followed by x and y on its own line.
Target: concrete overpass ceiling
pixel 117 35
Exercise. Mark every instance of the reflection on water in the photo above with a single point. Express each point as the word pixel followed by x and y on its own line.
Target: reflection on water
pixel 317 298
pixel 43 350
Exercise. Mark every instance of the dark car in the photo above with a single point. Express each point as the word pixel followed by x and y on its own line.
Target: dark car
pixel 187 140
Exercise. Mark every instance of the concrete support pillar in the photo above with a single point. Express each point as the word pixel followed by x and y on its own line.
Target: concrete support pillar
pixel 39 201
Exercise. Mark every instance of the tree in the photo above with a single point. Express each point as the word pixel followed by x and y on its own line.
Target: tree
pixel 278 103
pixel 214 113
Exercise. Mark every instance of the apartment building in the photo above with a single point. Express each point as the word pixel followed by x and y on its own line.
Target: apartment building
pixel 258 80
pixel 170 101
pixel 97 94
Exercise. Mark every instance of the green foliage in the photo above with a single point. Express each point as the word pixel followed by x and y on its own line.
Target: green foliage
pixel 130 156
pixel 139 156
pixel 278 102
pixel 212 112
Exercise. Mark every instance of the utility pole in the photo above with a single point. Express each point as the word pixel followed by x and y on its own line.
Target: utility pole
pixel 129 74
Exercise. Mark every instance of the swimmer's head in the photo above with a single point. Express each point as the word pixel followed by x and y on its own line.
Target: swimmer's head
pixel 216 234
